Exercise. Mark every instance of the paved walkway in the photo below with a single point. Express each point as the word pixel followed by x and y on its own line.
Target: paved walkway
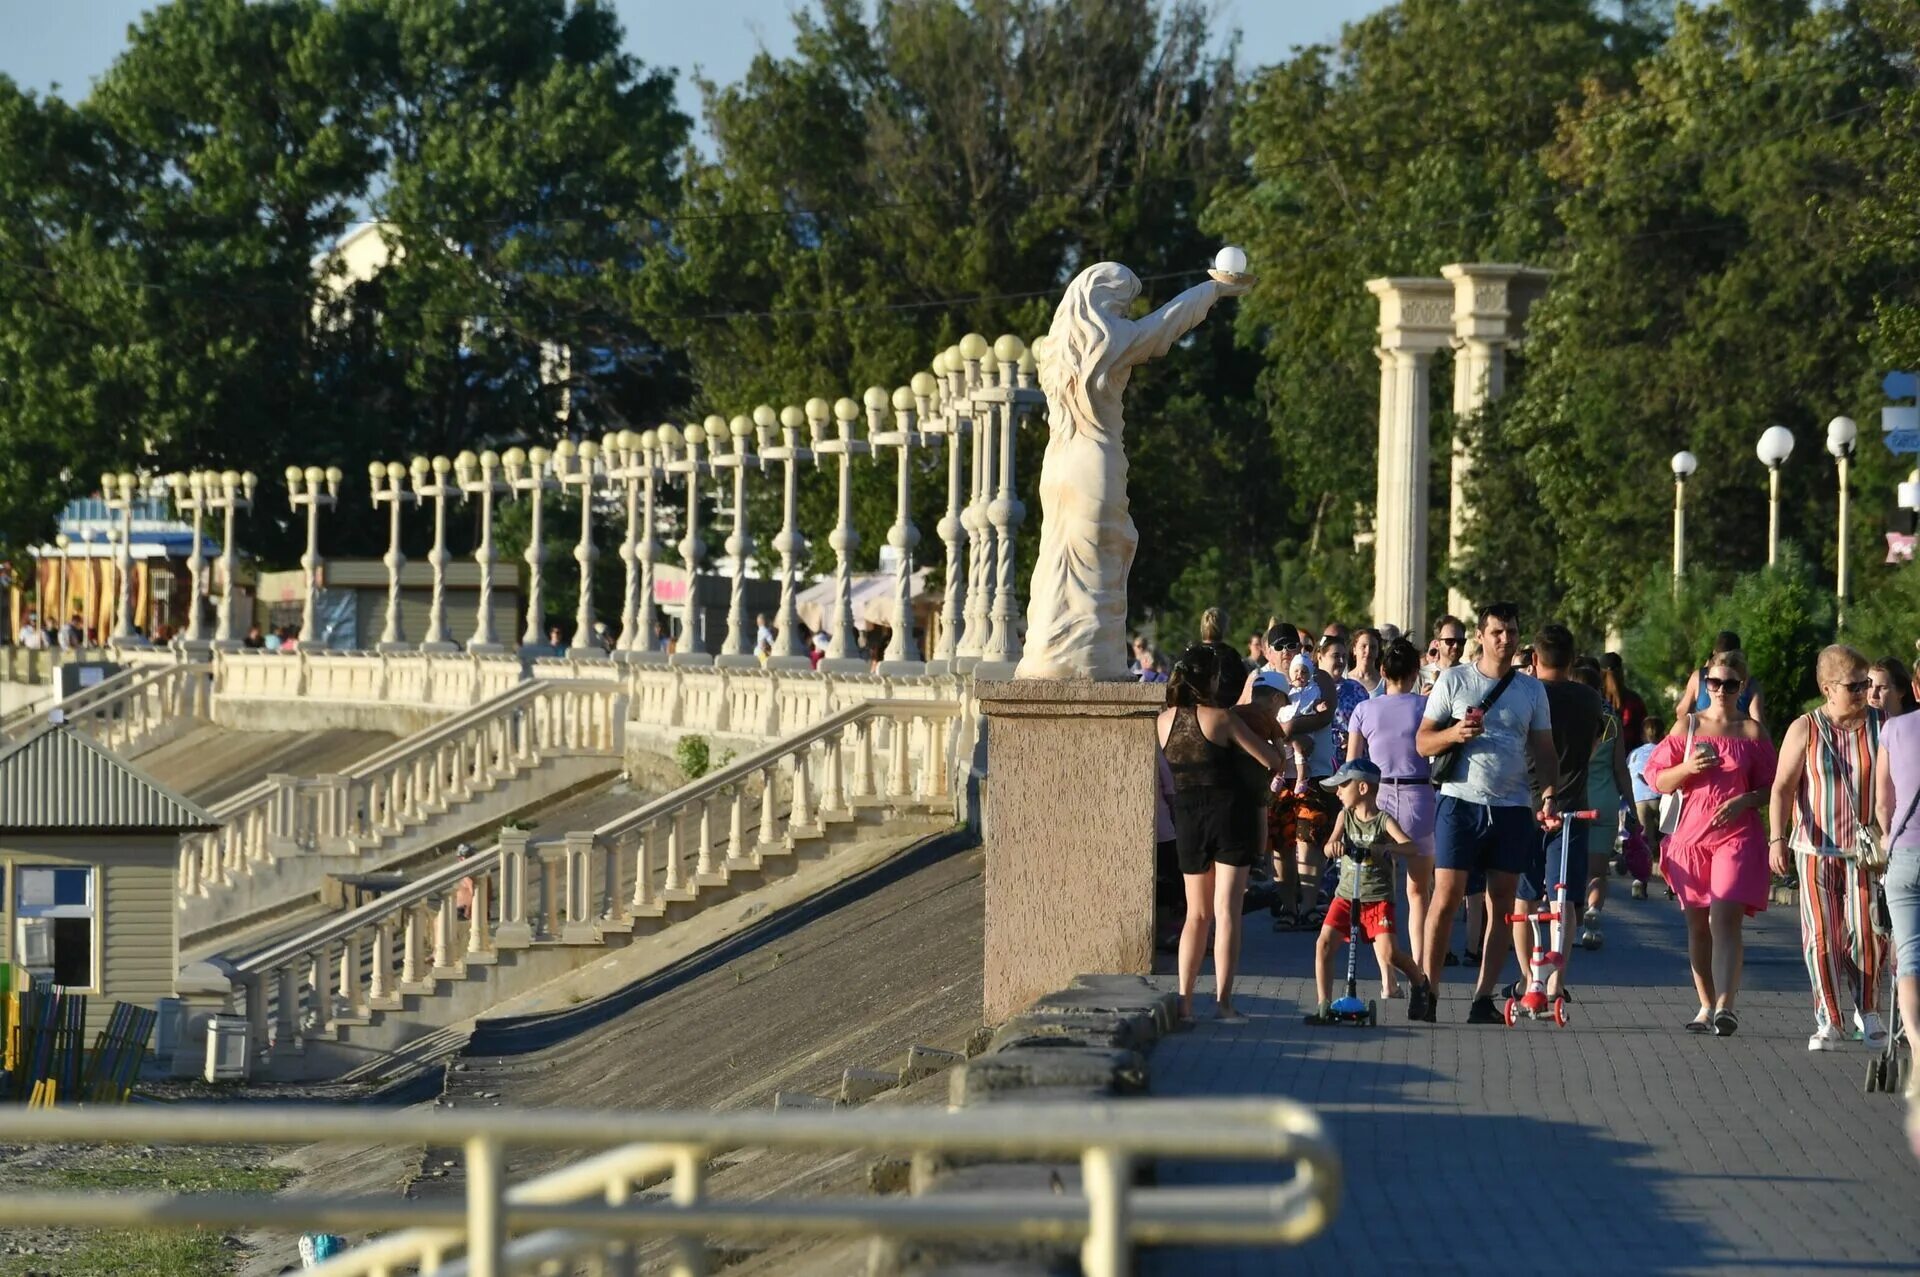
pixel 1662 1152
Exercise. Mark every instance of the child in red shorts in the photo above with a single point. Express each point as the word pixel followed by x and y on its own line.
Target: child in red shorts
pixel 1363 838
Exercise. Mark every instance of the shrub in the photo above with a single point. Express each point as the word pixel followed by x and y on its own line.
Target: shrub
pixel 694 754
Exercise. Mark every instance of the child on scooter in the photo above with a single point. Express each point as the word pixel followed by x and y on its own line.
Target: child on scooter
pixel 1362 839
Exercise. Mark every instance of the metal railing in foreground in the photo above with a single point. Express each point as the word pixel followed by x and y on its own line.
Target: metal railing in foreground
pixel 651 1181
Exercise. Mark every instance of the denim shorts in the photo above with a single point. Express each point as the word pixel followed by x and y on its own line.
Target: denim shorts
pixel 1537 882
pixel 1473 836
pixel 1903 902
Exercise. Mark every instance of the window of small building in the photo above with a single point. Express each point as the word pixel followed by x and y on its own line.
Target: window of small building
pixel 54 921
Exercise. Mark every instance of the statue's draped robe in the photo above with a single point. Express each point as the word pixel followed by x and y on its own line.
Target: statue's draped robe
pixel 1077 606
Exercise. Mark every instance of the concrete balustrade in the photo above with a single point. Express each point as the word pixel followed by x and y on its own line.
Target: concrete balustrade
pixel 633 875
pixel 143 705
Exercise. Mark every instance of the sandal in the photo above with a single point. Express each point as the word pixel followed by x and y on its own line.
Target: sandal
pixel 1725 1023
pixel 1285 920
pixel 1319 1019
pixel 1698 1025
pixel 1472 957
pixel 1313 918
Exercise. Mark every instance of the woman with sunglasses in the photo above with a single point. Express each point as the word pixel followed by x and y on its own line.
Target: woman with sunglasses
pixel 1722 765
pixel 1695 698
pixel 1822 796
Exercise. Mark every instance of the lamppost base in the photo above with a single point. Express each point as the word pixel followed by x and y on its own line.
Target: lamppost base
pixel 198 649
pixel 942 667
pixel 737 661
pixel 441 648
pixel 535 652
pixel 997 670
pixel 400 648
pixel 641 656
pixel 845 665
pixel 488 649
pixel 135 644
pixel 963 664
pixel 697 660
pixel 790 664
pixel 229 645
pixel 902 669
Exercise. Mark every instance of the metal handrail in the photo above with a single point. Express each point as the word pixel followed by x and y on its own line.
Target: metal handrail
pixel 1108 1215
pixel 744 768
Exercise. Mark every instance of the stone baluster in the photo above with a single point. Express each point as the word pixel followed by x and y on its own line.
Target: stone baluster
pixel 706 873
pixel 288 1032
pixel 834 798
pixel 259 1023
pixel 412 948
pixel 582 914
pixel 443 965
pixel 644 860
pixel 800 814
pixel 769 815
pixel 349 989
pixel 674 888
pixel 514 931
pixel 380 986
pixel 738 856
pixel 478 941
pixel 899 767
pixel 933 774
pixel 318 966
pixel 863 769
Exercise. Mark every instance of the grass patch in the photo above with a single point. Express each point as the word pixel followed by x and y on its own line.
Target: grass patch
pixel 198 1254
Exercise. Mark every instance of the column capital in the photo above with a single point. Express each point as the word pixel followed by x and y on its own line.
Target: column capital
pixel 1491 300
pixel 1415 313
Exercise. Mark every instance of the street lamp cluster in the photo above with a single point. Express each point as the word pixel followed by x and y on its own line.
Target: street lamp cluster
pixel 973 398
pixel 1773 448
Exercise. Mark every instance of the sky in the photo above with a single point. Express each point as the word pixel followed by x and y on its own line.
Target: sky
pixel 69 42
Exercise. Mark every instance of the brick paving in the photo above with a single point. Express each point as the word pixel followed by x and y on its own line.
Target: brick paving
pixel 1661 1151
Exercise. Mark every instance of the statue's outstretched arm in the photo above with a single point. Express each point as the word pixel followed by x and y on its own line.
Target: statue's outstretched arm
pixel 1154 335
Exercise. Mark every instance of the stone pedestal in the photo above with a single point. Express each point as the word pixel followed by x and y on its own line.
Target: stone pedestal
pixel 1069 834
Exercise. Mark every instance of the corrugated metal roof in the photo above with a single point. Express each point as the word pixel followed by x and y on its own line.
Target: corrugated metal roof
pixel 59 781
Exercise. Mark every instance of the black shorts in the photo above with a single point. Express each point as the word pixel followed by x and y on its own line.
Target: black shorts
pixel 1209 828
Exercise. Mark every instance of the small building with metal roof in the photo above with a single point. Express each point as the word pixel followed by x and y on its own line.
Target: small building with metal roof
pixel 89 856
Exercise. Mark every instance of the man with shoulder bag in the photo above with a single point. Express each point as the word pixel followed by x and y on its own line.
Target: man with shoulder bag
pixel 1483 722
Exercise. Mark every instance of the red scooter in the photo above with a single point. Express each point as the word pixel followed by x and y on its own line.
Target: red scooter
pixel 1551 922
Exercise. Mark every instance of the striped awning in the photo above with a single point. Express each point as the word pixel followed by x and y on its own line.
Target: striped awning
pixel 58 781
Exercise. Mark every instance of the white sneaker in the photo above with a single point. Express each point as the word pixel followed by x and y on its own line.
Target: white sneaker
pixel 1872 1033
pixel 1826 1038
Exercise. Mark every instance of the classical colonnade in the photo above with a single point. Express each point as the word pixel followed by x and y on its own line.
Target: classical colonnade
pixel 1478 311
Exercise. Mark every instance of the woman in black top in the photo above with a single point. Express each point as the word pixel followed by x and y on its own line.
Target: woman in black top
pixel 1198 740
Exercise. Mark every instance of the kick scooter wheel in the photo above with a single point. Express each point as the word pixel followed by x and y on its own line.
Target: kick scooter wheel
pixel 1512 1012
pixel 1560 1012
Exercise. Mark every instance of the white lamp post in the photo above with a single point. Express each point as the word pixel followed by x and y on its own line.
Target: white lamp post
pixel 789 644
pixel 938 416
pixel 1684 464
pixel 1908 493
pixel 1775 446
pixel 1014 397
pixel 577 466
pixel 234 493
pixel 692 549
pixel 903 650
pixel 388 480
pixel 95 622
pixel 480 476
pixel 964 383
pixel 630 465
pixel 119 492
pixel 430 483
pixel 842 656
pixel 64 544
pixel 528 471
pixel 1841 433
pixel 313 488
pixel 190 493
pixel 739 649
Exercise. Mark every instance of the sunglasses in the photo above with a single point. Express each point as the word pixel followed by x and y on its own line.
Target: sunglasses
pixel 1450 642
pixel 1727 685
pixel 1858 686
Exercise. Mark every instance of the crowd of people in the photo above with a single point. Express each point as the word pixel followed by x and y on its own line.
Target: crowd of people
pixel 1356 764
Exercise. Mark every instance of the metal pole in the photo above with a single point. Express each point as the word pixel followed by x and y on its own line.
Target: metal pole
pixel 227 620
pixel 1679 532
pixel 1840 571
pixel 1773 515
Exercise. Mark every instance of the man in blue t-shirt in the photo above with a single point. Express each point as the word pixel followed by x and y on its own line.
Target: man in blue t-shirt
pixel 1484 821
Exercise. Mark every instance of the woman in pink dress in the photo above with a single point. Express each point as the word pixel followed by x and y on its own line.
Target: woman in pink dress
pixel 1721 764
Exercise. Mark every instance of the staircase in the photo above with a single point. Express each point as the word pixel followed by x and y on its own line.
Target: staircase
pixel 143 705
pixel 473 933
pixel 280 838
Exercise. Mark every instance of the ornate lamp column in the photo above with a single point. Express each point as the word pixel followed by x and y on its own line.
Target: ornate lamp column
pixel 1015 398
pixel 389 483
pixel 234 493
pixel 903 651
pixel 739 651
pixel 578 467
pixel 527 471
pixel 939 417
pixel 119 492
pixel 692 548
pixel 437 491
pixel 190 493
pixel 789 644
pixel 304 488
pixel 651 455
pixel 480 476
pixel 620 453
pixel 964 384
pixel 842 656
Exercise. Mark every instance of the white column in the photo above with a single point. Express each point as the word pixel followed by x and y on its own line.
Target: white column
pixel 578 466
pixel 388 480
pixel 789 641
pixel 692 549
pixel 304 489
pixel 1479 378
pixel 740 632
pixel 903 650
pixel 529 472
pixel 1400 518
pixel 479 476
pixel 431 483
pixel 236 494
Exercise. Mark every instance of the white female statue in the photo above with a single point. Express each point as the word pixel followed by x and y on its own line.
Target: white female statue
pixel 1077 608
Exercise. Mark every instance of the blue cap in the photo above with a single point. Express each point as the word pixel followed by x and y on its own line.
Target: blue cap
pixel 1354 769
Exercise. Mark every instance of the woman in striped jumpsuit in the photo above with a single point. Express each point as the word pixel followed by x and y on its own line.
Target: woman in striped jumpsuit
pixel 1822 793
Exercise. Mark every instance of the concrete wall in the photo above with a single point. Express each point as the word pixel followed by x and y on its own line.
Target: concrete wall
pixel 1068 828
pixel 135 954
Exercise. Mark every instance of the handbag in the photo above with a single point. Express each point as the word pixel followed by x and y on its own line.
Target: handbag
pixel 1670 803
pixel 1868 849
pixel 1443 764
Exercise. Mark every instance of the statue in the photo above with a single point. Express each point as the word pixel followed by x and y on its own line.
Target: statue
pixel 1077 608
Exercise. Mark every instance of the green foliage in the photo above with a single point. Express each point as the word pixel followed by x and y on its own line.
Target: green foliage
pixel 694 754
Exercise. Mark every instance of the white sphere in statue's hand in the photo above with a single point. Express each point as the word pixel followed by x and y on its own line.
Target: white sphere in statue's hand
pixel 1231 261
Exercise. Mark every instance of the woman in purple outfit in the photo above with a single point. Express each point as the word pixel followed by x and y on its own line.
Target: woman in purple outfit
pixel 1382 729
